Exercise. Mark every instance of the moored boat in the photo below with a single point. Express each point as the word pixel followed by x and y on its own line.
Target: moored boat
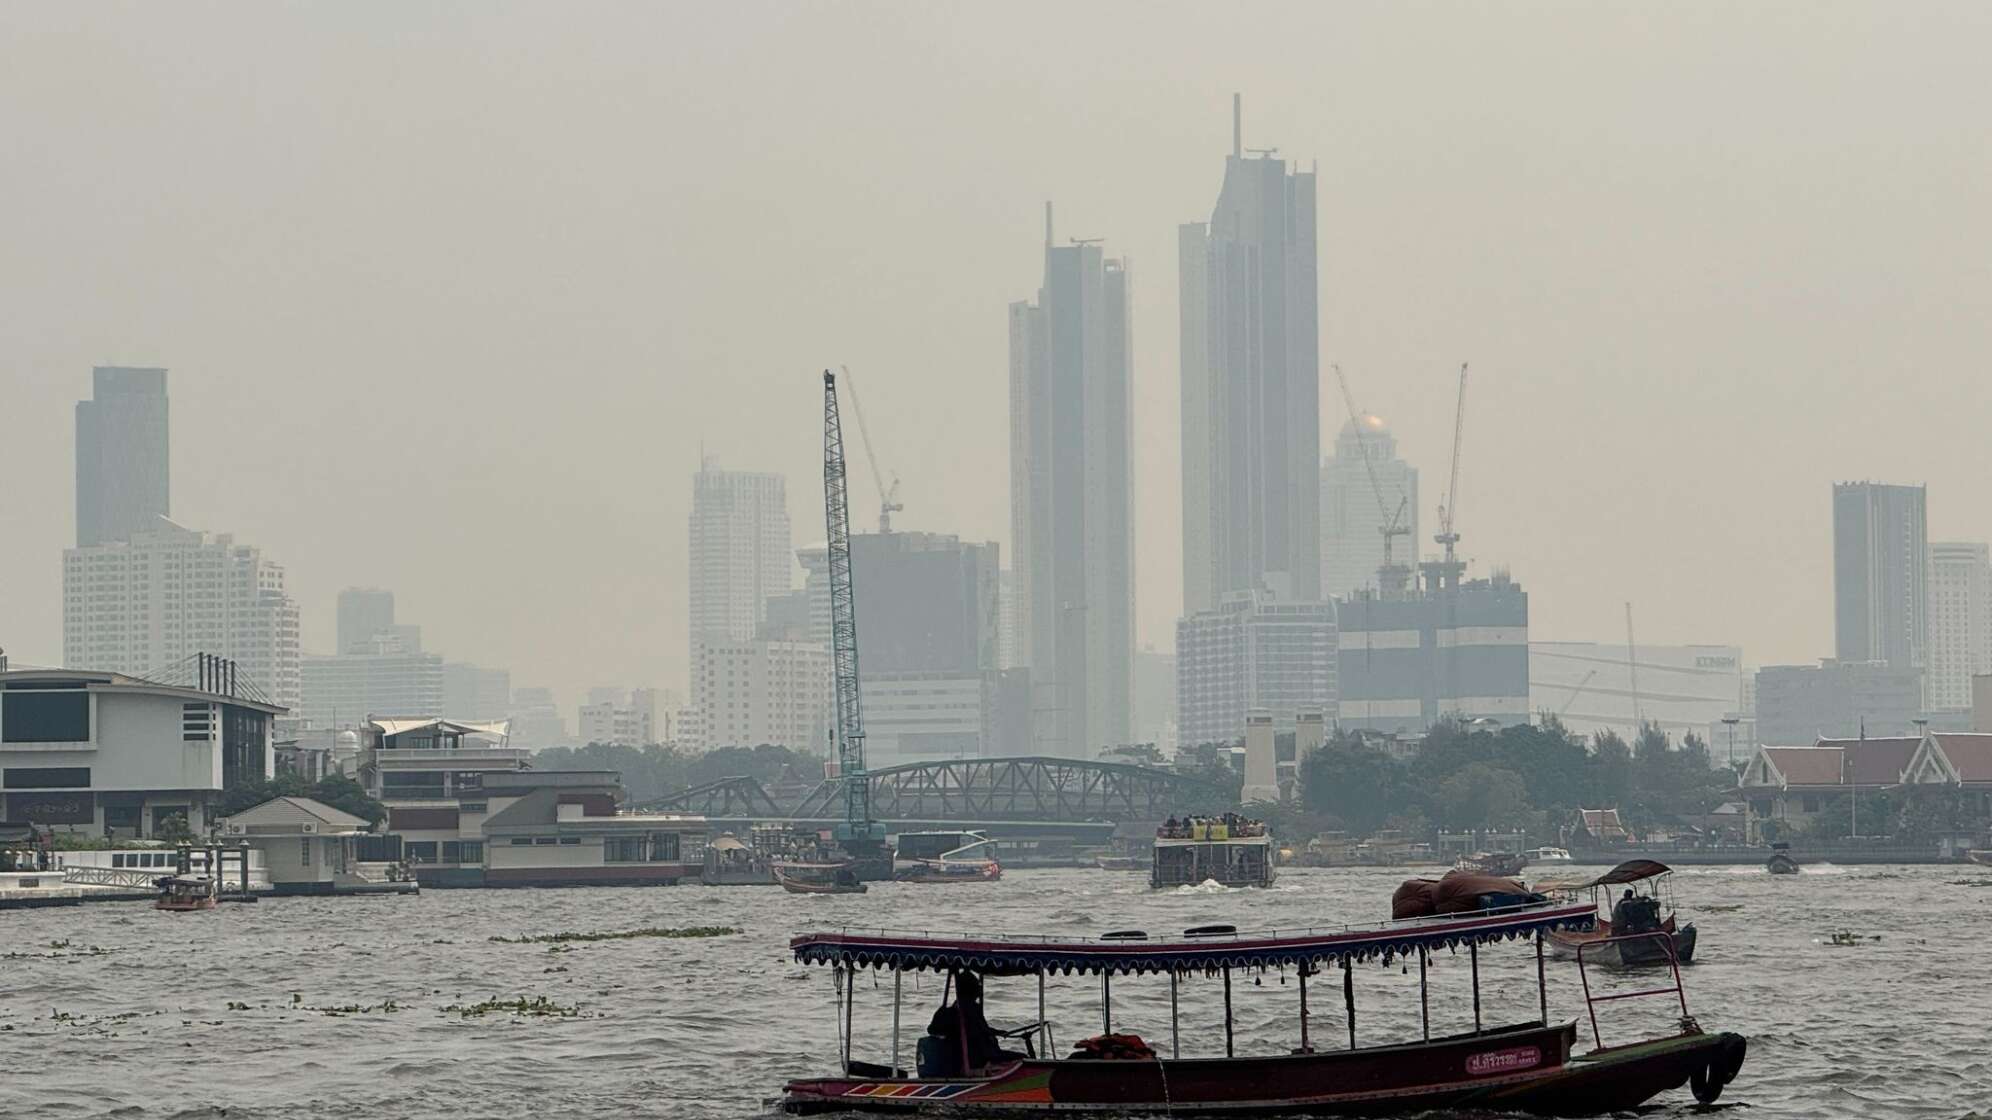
pixel 1545 856
pixel 818 878
pixel 185 892
pixel 962 1068
pixel 946 857
pixel 1633 913
pixel 1505 865
pixel 1980 855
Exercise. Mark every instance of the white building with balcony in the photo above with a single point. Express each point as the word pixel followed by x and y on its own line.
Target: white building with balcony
pixel 100 753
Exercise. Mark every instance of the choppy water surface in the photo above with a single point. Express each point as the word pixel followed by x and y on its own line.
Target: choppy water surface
pixel 238 1012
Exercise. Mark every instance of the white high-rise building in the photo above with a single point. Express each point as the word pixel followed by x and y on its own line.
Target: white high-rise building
pixel 1254 652
pixel 626 719
pixel 167 593
pixel 1960 614
pixel 1352 519
pixel 1071 493
pixel 762 690
pixel 740 553
pixel 350 689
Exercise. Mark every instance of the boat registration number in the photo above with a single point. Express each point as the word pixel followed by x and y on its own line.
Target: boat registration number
pixel 1504 1061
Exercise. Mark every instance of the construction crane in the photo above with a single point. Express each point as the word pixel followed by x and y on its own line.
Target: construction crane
pixel 888 493
pixel 1448 535
pixel 1574 693
pixel 861 837
pixel 1390 522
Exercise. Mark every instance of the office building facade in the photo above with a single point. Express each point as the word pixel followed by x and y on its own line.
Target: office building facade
pixel 1254 652
pixel 1441 652
pixel 474 692
pixel 167 593
pixel 1250 345
pixel 1881 560
pixel 123 478
pixel 1352 517
pixel 1596 686
pixel 1072 520
pixel 1960 622
pixel 348 689
pixel 365 613
pixel 1800 704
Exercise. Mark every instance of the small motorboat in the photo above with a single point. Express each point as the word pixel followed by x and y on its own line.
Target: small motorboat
pixel 185 892
pixel 1501 865
pixel 1781 862
pixel 1117 863
pixel 1526 1063
pixel 1628 937
pixel 1540 856
pixel 818 878
pixel 949 871
pixel 1982 856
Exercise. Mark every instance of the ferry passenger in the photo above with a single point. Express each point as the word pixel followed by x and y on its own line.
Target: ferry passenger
pixel 964 1032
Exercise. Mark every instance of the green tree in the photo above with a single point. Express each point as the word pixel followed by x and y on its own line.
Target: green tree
pixel 1481 795
pixel 1354 782
pixel 174 830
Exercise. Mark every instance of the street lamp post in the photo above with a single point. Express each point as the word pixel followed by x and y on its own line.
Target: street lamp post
pixel 1731 722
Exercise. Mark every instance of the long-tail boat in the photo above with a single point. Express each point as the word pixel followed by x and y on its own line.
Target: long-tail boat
pixel 1642 916
pixel 1530 1066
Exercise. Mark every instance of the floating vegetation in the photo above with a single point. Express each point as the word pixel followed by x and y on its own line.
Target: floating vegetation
pixel 387 1006
pixel 618 935
pixel 1721 907
pixel 537 1007
pixel 62 948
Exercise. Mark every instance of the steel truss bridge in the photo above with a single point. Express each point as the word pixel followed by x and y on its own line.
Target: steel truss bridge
pixel 970 791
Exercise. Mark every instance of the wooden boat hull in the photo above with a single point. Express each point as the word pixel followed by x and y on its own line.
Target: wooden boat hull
pixel 926 874
pixel 1781 864
pixel 183 906
pixel 1624 954
pixel 1525 1068
pixel 803 886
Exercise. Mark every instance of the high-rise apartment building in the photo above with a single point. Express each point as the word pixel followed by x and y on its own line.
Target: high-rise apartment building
pixel 1352 517
pixel 1071 493
pixel 473 692
pixel 167 593
pixel 1253 652
pixel 1881 570
pixel 1960 620
pixel 739 552
pixel 536 719
pixel 122 478
pixel 762 690
pixel 1250 343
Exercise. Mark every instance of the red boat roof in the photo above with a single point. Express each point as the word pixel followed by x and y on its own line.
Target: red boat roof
pixel 1132 951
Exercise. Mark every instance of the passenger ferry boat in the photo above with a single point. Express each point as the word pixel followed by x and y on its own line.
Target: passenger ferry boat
pixel 946 857
pixel 1532 1065
pixel 186 892
pixel 1230 851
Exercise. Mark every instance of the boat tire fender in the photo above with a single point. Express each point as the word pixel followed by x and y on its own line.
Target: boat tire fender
pixel 1708 1079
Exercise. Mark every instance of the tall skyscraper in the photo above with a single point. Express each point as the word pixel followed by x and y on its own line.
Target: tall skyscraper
pixel 122 485
pixel 1351 518
pixel 1960 622
pixel 364 614
pixel 739 552
pixel 167 593
pixel 1071 491
pixel 1881 566
pixel 1250 342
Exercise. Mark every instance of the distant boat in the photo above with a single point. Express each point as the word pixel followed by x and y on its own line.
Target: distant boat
pixel 181 893
pixel 1781 862
pixel 1118 863
pixel 1980 855
pixel 1548 855
pixel 946 857
pixel 1504 865
pixel 1205 851
pixel 818 878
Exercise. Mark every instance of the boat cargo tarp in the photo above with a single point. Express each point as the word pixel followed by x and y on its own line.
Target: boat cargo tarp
pixel 1131 951
pixel 1458 892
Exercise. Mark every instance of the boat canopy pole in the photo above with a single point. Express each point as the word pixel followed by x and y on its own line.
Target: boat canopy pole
pixel 1044 1024
pixel 1106 1001
pixel 1424 997
pixel 1227 1011
pixel 1175 1032
pixel 1473 954
pixel 897 976
pixel 1304 1047
pixel 1349 998
pixel 1542 987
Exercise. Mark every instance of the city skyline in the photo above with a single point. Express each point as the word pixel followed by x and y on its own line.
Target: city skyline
pixel 1771 260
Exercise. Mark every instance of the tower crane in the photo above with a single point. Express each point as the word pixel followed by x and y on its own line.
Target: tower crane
pixel 1390 523
pixel 1632 670
pixel 888 493
pixel 1448 535
pixel 861 837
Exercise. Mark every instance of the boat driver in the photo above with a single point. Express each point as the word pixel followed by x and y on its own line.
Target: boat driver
pixel 965 1032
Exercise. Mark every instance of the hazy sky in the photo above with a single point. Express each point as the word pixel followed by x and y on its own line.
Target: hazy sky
pixel 452 294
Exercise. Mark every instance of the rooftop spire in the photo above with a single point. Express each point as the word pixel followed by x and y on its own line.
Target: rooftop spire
pixel 1237 125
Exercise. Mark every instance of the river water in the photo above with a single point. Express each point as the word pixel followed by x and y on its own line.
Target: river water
pixel 342 1007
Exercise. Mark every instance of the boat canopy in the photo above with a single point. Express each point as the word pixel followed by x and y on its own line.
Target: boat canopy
pixel 1631 871
pixel 1203 950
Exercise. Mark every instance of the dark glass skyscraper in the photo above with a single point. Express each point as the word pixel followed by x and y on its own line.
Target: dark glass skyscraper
pixel 1251 386
pixel 121 455
pixel 1881 562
